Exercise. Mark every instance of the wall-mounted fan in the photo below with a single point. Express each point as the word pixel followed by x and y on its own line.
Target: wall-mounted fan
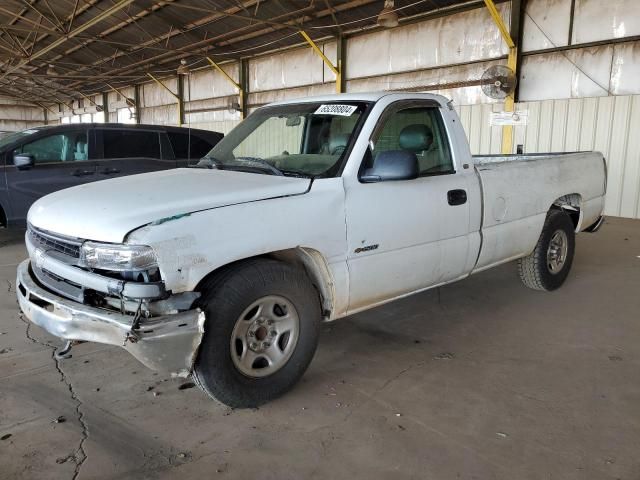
pixel 498 82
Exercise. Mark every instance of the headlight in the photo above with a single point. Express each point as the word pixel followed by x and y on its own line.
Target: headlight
pixel 106 256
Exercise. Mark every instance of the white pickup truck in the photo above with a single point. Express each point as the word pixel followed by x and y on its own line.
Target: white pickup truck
pixel 309 210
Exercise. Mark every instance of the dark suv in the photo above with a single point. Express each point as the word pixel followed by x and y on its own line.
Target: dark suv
pixel 42 160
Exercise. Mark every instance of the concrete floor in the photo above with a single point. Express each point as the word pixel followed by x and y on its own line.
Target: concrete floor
pixel 483 379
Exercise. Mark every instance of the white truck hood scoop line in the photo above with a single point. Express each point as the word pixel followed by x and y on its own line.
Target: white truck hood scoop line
pixel 110 209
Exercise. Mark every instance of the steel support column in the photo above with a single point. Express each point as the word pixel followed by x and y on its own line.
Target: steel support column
pixel 518 8
pixel 136 99
pixel 243 77
pixel 341 56
pixel 105 106
pixel 181 114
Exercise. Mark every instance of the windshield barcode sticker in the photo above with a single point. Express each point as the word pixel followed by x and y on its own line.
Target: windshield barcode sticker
pixel 342 110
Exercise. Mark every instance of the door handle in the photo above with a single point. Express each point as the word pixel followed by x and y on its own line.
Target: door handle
pixel 82 173
pixel 457 197
pixel 108 171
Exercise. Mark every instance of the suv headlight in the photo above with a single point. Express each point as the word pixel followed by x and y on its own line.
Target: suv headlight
pixel 107 256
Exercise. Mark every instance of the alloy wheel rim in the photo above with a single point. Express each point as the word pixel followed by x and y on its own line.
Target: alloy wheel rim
pixel 264 336
pixel 557 251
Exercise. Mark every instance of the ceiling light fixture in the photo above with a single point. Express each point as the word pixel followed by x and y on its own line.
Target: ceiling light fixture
pixel 183 69
pixel 388 18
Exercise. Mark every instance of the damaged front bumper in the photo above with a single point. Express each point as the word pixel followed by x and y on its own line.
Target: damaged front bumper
pixel 166 343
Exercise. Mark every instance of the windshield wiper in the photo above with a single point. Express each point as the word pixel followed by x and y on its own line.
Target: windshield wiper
pixel 296 173
pixel 261 163
pixel 248 163
pixel 208 162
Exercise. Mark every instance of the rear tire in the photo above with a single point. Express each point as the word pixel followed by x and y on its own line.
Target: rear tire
pixel 547 267
pixel 261 332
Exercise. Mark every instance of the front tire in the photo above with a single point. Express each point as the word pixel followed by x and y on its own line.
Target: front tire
pixel 547 267
pixel 261 332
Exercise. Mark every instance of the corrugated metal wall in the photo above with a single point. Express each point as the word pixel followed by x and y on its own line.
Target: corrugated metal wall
pixel 605 124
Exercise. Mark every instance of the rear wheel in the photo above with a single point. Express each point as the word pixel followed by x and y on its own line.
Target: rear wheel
pixel 547 267
pixel 261 332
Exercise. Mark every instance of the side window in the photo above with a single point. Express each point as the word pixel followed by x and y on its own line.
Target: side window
pixel 63 147
pixel 199 147
pixel 180 144
pixel 419 130
pixel 130 144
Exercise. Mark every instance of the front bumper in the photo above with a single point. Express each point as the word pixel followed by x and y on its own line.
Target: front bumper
pixel 167 343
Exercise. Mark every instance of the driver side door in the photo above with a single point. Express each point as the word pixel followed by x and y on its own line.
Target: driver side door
pixel 408 235
pixel 60 160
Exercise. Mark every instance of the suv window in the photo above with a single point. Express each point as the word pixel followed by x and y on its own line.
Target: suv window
pixel 180 144
pixel 419 130
pixel 130 144
pixel 63 147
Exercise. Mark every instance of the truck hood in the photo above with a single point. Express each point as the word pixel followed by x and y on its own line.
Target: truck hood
pixel 108 210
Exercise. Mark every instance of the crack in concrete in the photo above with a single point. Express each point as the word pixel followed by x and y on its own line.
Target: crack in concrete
pixel 79 456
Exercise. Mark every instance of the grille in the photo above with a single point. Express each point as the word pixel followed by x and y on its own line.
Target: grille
pixel 48 241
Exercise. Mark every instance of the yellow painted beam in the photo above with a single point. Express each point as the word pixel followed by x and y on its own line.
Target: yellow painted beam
pixel 327 62
pixel 47 108
pixel 177 97
pixel 88 98
pixel 130 102
pixel 241 92
pixel 509 104
pixel 504 31
pixel 163 86
pixel 225 74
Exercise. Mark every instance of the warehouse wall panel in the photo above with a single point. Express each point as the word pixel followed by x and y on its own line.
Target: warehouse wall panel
pixel 596 20
pixel 451 40
pixel 16 115
pixel 210 83
pixel 546 24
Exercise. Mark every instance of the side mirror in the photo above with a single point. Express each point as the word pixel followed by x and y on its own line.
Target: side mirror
pixel 392 165
pixel 293 121
pixel 23 161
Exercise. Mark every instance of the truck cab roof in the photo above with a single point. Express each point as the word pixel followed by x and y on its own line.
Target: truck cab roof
pixel 366 97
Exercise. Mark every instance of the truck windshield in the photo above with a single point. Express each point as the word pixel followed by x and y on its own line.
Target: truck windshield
pixel 306 139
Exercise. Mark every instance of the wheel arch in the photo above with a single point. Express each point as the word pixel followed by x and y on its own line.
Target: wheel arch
pixel 572 205
pixel 308 259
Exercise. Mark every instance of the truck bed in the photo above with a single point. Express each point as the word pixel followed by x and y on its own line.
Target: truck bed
pixel 512 209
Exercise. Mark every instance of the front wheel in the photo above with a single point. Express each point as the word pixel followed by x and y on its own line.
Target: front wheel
pixel 261 332
pixel 547 267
